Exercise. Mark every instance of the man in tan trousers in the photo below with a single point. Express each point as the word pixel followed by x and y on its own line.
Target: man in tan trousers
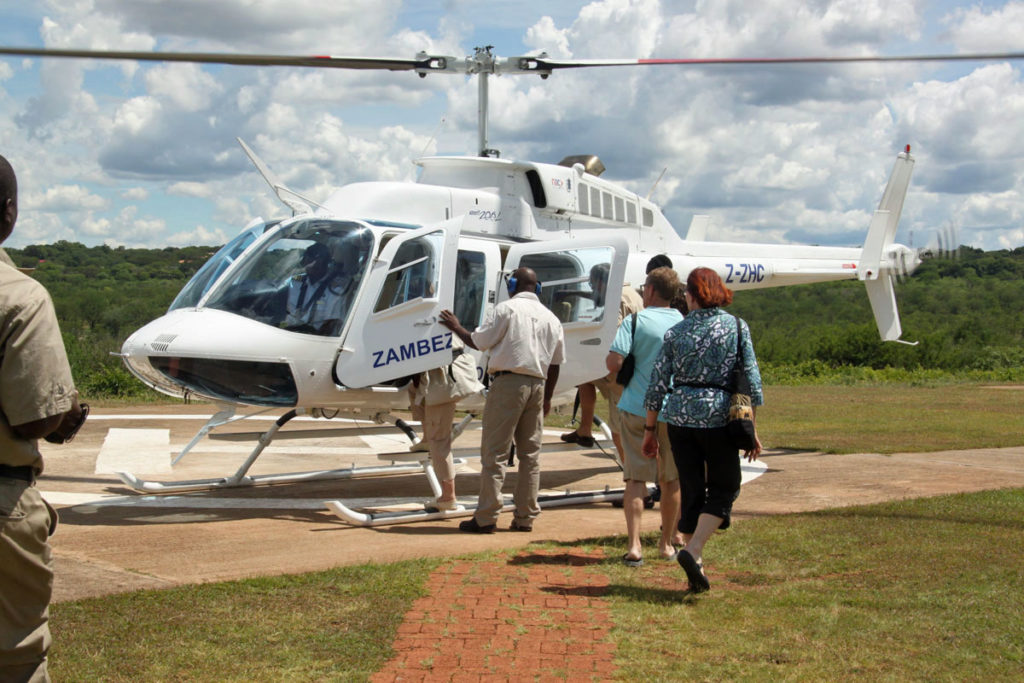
pixel 526 347
pixel 37 400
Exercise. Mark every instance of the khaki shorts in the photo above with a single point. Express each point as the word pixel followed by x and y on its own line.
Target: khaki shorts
pixel 612 391
pixel 635 466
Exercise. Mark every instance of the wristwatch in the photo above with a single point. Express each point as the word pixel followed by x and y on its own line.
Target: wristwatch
pixel 650 428
pixel 67 437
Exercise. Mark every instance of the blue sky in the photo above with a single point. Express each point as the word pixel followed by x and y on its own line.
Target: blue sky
pixel 144 154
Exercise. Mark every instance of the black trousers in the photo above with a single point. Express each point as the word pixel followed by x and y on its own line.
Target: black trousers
pixel 709 473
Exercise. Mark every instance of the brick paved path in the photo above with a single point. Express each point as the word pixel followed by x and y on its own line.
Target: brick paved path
pixel 535 616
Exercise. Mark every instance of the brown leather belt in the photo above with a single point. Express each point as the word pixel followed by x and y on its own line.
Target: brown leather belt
pixel 24 473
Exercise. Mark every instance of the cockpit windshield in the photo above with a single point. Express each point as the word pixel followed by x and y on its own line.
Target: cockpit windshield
pixel 191 293
pixel 304 279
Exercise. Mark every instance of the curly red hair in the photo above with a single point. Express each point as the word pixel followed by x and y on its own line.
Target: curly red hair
pixel 707 288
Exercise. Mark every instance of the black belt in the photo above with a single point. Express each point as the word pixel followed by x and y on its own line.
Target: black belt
pixel 24 473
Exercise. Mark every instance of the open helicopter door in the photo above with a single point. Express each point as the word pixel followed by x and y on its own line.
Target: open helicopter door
pixel 394 330
pixel 581 283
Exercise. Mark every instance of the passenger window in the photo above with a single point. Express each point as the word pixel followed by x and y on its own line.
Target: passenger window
pixel 584 205
pixel 620 209
pixel 648 217
pixel 574 282
pixel 631 213
pixel 470 283
pixel 607 205
pixel 595 202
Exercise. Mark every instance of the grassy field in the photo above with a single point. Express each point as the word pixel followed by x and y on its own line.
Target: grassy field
pixel 914 590
pixel 833 595
pixel 884 418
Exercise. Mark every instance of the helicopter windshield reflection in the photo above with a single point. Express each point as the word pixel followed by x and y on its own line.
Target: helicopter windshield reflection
pixel 304 279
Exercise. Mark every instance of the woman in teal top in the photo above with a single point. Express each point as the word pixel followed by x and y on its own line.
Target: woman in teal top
pixel 687 389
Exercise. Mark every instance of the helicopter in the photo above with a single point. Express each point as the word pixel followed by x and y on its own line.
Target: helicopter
pixel 396 254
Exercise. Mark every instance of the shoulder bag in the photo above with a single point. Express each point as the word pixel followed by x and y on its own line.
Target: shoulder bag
pixel 741 412
pixel 625 373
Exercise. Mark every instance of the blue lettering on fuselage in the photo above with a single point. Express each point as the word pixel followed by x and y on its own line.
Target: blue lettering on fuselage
pixel 414 349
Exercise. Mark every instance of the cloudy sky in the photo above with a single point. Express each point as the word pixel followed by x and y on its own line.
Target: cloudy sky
pixel 144 154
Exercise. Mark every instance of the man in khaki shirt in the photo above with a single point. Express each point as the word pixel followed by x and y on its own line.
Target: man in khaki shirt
pixel 37 400
pixel 527 346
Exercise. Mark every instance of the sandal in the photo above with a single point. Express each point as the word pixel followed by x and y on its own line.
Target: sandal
pixel 632 562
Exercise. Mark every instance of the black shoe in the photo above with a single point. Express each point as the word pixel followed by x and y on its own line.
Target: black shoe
pixel 698 582
pixel 520 526
pixel 578 439
pixel 471 526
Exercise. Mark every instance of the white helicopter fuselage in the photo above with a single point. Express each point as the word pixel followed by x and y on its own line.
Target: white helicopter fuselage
pixel 401 252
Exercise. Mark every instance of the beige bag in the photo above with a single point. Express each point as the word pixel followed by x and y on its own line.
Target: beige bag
pixel 452 382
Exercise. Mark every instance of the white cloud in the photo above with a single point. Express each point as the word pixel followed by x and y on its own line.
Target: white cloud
pixel 62 198
pixel 772 153
pixel 980 29
pixel 199 236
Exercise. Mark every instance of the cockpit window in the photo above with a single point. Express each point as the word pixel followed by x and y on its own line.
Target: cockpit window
pixel 304 279
pixel 191 294
pixel 413 273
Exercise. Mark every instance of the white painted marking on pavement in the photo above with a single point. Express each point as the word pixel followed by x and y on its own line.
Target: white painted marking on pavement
pixel 135 450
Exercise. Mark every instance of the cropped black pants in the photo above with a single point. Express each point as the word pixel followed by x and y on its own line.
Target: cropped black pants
pixel 709 473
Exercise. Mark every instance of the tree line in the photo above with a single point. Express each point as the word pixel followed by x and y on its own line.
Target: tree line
pixel 967 314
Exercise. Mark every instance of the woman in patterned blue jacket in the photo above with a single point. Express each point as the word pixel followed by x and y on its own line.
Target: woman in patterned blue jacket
pixel 688 388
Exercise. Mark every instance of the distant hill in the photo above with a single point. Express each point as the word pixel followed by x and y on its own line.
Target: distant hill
pixel 967 314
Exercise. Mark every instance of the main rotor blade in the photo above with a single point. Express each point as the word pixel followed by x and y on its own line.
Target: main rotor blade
pixel 483 62
pixel 423 62
pixel 541 64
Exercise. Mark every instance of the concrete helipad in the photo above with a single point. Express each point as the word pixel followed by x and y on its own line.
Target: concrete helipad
pixel 112 539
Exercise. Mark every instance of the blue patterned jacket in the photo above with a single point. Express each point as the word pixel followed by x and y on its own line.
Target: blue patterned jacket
pixel 701 350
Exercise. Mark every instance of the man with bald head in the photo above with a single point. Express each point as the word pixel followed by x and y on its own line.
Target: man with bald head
pixel 526 346
pixel 37 400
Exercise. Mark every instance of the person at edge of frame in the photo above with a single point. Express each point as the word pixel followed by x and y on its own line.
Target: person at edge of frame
pixel 37 400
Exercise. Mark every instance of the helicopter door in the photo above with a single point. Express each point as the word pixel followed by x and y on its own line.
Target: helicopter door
pixel 581 283
pixel 394 330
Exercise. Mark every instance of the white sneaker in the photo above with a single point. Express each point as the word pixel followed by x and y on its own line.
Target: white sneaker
pixel 445 505
pixel 419 446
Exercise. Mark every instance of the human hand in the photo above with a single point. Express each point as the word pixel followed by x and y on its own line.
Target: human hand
pixel 649 447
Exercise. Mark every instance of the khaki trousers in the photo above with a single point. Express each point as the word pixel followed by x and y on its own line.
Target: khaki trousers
pixel 437 434
pixel 514 412
pixel 26 581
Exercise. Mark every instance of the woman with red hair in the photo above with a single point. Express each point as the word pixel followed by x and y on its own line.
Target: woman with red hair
pixel 689 388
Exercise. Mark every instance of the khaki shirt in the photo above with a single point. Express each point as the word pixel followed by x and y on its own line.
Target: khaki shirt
pixel 630 303
pixel 523 336
pixel 35 377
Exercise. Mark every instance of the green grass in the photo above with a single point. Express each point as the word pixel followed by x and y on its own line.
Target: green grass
pixel 881 418
pixel 924 589
pixel 334 625
pixel 891 418
pixel 914 590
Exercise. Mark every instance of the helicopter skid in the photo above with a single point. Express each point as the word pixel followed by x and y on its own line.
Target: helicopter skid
pixel 146 486
pixel 546 500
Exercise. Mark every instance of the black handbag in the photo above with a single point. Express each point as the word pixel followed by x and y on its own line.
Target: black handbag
pixel 625 373
pixel 741 412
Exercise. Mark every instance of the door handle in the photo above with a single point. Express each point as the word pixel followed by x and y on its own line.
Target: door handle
pixel 426 321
